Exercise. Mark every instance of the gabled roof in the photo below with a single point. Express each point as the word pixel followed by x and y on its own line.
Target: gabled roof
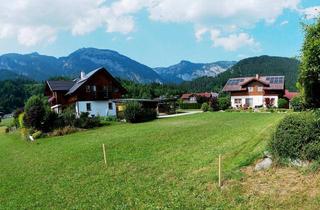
pixel 81 81
pixel 269 82
pixel 60 85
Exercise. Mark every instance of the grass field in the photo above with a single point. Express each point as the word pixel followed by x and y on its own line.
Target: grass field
pixel 167 163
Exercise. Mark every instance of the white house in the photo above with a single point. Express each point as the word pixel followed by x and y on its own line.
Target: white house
pixel 258 91
pixel 94 93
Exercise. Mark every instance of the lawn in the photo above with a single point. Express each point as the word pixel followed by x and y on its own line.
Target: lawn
pixel 168 163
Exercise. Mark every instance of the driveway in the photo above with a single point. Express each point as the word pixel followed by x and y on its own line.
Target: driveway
pixel 182 114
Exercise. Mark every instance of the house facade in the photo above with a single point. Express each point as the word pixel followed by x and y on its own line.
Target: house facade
pixel 192 97
pixel 254 92
pixel 94 93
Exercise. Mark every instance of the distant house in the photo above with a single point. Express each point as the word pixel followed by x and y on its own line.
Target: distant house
pixel 290 95
pixel 258 91
pixel 192 97
pixel 93 93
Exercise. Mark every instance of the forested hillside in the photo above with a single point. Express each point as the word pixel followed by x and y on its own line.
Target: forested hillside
pixel 263 65
pixel 14 93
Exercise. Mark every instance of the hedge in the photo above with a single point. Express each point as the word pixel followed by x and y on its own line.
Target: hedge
pixel 190 106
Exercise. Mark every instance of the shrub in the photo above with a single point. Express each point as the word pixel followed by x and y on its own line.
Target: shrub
pixel 21 120
pixel 213 103
pixel 205 107
pixel 35 112
pixel 297 137
pixel 37 135
pixel 190 106
pixel 64 131
pixel 51 121
pixel 16 114
pixel 283 103
pixel 297 104
pixel 84 121
pixel 224 103
pixel 68 115
pixel 131 111
pixel 135 113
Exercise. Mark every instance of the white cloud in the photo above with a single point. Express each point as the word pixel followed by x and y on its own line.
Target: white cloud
pixel 200 32
pixel 285 22
pixel 233 42
pixel 29 36
pixel 35 21
pixel 311 12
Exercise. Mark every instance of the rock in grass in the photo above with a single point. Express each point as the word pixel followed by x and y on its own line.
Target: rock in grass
pixel 299 163
pixel 264 164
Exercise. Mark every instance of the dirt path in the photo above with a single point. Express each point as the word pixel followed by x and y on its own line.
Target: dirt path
pixel 182 114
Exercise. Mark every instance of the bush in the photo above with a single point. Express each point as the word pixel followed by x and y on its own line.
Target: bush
pixel 190 106
pixel 224 103
pixel 297 137
pixel 84 121
pixel 69 117
pixel 21 120
pixel 35 111
pixel 16 117
pixel 205 107
pixel 135 113
pixel 37 135
pixel 297 104
pixel 283 103
pixel 213 103
pixel 51 121
pixel 64 131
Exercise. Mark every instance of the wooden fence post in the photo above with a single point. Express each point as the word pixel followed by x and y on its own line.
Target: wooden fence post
pixel 220 171
pixel 104 154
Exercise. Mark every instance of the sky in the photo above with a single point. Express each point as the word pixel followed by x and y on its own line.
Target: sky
pixel 157 32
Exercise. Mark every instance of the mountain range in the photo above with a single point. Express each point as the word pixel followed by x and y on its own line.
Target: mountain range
pixel 41 67
pixel 187 71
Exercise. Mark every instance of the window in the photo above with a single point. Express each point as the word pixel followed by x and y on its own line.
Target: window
pixel 260 89
pixel 88 107
pixel 94 88
pixel 110 106
pixel 250 89
pixel 238 101
pixel 249 102
pixel 88 88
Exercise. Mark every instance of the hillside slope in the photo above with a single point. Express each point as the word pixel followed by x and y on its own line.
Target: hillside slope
pixel 10 75
pixel 263 65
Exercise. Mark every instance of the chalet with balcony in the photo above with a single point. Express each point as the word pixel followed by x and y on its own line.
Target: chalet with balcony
pixel 94 93
pixel 254 92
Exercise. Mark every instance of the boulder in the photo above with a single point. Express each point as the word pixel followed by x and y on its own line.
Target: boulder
pixel 264 164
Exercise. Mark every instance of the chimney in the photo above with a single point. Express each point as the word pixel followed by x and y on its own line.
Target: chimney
pixel 82 75
pixel 257 76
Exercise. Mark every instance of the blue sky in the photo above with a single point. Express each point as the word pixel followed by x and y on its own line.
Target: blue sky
pixel 157 33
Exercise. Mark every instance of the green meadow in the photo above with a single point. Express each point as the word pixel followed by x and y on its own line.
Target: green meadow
pixel 164 164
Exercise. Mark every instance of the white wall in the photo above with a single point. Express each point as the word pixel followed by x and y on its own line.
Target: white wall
pixel 98 108
pixel 257 100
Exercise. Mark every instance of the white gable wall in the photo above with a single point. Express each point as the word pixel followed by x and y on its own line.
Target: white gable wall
pixel 98 108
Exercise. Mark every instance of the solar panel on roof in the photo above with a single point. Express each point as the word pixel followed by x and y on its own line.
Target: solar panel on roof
pixel 275 79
